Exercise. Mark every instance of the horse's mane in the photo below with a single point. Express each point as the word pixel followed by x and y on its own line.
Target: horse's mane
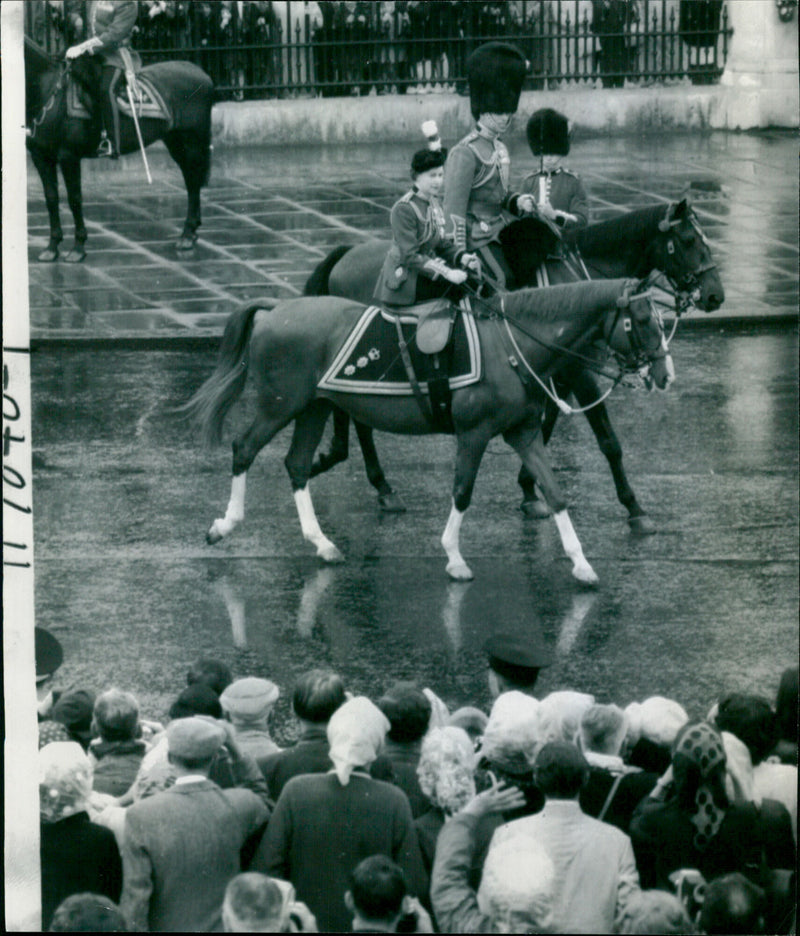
pixel 607 238
pixel 557 303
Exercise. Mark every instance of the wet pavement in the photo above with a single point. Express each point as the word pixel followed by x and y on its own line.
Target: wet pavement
pixel 271 214
pixel 123 493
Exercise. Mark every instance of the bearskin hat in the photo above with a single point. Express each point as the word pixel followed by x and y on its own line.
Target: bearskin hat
pixel 426 159
pixel 548 133
pixel 496 71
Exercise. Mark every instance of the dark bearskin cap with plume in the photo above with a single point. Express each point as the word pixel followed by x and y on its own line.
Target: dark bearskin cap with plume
pixel 548 133
pixel 496 71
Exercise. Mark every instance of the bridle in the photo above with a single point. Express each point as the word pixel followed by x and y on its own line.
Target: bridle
pixel 687 285
pixel 58 87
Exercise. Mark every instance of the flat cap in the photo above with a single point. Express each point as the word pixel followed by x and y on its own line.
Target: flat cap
pixel 522 651
pixel 194 738
pixel 250 697
pixel 49 654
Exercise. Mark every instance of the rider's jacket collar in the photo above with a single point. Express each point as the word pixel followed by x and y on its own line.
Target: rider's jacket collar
pixel 418 194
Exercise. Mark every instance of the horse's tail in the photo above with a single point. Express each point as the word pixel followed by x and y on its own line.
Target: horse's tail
pixel 317 284
pixel 209 406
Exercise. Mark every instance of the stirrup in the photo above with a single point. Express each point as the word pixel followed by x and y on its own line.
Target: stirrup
pixel 105 148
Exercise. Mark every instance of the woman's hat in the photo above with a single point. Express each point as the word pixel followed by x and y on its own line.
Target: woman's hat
pixel 426 159
pixel 548 133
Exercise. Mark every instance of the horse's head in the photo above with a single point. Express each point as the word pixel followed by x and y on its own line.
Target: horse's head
pixel 682 253
pixel 635 333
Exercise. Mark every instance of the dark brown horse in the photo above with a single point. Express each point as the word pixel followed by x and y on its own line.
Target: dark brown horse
pixel 662 238
pixel 56 138
pixel 525 336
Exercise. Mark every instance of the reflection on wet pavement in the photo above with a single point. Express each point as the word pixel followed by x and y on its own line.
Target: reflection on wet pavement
pixel 123 495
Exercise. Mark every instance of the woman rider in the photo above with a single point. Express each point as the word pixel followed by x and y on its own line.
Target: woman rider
pixel 423 262
pixel 477 200
pixel 107 25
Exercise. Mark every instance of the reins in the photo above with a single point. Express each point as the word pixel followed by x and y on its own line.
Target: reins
pixel 48 105
pixel 516 356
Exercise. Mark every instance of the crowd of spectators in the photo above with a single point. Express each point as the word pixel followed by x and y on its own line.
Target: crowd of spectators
pixel 275 48
pixel 560 814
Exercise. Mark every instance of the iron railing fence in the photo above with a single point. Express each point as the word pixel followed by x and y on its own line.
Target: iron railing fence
pixel 289 48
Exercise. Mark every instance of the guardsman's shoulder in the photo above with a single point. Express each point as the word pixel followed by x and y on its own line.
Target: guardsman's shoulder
pixel 568 172
pixel 405 199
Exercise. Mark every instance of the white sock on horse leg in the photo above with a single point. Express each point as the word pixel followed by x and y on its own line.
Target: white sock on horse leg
pixel 235 511
pixel 572 547
pixel 311 528
pixel 456 567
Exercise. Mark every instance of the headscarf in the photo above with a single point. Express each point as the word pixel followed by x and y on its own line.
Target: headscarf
pixel 700 747
pixel 564 709
pixel 446 769
pixel 656 719
pixel 356 732
pixel 518 886
pixel 65 781
pixel 511 738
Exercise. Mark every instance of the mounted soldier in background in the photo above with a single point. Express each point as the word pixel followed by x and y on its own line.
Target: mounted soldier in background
pixel 560 196
pixel 107 26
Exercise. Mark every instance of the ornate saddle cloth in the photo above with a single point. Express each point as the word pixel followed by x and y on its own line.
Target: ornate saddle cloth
pixel 148 100
pixel 370 361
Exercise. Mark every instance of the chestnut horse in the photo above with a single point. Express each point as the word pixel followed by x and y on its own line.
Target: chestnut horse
pixel 525 336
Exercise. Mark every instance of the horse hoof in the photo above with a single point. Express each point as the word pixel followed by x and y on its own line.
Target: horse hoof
pixel 391 503
pixel 330 554
pixel 535 509
pixel 213 536
pixel 585 575
pixel 76 255
pixel 185 243
pixel 642 525
pixel 49 255
pixel 460 572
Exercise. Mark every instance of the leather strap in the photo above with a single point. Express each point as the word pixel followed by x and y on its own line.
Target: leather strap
pixel 419 396
pixel 610 798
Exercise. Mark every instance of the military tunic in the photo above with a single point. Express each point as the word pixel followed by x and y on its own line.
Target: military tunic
pixel 110 21
pixel 419 246
pixel 563 191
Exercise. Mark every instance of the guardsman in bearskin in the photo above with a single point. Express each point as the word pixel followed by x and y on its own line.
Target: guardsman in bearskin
pixel 477 200
pixel 107 26
pixel 559 193
pixel 423 262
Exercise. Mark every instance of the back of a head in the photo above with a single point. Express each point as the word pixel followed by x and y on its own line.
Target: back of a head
pixel 751 719
pixel 88 913
pixel 317 695
pixel 408 710
pixel 116 715
pixel 518 885
pixel 197 699
pixel 211 673
pixel 512 732
pixel 560 770
pixel 732 905
pixel 654 912
pixel 603 729
pixel 378 888
pixel 253 904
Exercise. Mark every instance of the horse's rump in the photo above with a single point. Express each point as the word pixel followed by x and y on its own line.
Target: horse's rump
pixel 186 90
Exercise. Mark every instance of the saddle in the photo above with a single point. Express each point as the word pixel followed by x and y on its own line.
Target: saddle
pixel 146 97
